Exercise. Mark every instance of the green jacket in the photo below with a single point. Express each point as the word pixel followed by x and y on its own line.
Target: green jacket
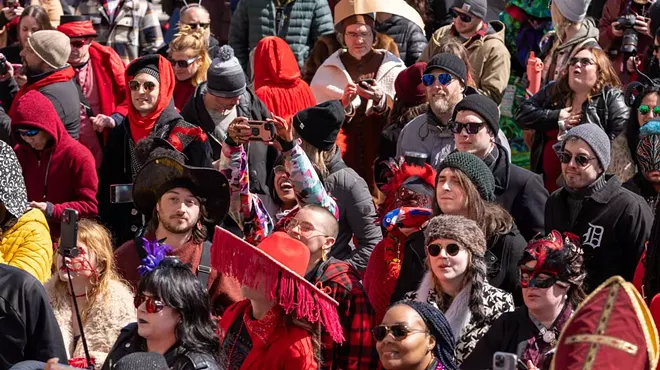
pixel 302 23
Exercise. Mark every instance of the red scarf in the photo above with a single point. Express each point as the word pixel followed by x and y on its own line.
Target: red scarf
pixel 141 126
pixel 62 75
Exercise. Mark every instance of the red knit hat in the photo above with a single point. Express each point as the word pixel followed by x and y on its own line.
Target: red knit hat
pixel 408 85
pixel 276 266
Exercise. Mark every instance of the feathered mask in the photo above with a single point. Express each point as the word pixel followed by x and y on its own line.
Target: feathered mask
pixel 156 252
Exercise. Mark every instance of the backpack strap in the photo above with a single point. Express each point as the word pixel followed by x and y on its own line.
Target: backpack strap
pixel 204 268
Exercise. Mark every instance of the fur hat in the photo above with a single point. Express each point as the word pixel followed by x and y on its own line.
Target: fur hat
pixel 463 230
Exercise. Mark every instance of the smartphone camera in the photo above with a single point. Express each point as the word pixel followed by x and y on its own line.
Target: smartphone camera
pixel 66 218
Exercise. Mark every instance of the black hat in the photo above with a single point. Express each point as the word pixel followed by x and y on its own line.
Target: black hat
pixel 474 168
pixel 477 8
pixel 147 64
pixel 319 125
pixel 450 63
pixel 484 107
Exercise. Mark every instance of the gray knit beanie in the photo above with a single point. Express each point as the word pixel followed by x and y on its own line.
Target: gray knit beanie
pixel 573 10
pixel 596 138
pixel 225 76
pixel 475 169
pixel 463 230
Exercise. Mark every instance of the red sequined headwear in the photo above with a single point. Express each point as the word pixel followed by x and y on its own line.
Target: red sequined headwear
pixel 555 255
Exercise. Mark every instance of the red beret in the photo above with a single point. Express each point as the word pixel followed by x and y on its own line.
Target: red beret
pixel 408 85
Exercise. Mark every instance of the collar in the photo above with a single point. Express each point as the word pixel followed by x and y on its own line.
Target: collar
pixel 481 33
pixel 41 76
pixel 81 66
pixel 601 191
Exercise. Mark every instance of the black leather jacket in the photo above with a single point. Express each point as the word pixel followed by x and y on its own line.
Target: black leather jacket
pixel 177 357
pixel 541 113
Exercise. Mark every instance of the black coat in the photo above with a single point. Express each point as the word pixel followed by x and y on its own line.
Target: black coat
pixel 639 185
pixel 120 167
pixel 177 357
pixel 28 328
pixel 260 156
pixel 541 113
pixel 613 225
pixel 521 193
pixel 408 36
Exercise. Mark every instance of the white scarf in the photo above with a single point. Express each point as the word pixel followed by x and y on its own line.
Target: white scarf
pixel 458 314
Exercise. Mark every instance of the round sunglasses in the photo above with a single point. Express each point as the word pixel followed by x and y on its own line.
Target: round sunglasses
pixel 443 79
pixel 451 248
pixel 399 331
pixel 645 109
pixel 152 305
pixel 135 86
pixel 581 160
pixel 471 128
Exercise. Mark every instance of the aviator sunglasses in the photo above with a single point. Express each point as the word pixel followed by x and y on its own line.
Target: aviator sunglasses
pixel 471 128
pixel 435 249
pixel 399 331
pixel 152 305
pixel 443 79
pixel 581 160
pixel 464 17
pixel 645 109
pixel 135 86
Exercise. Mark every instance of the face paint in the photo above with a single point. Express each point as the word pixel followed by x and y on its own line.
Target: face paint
pixel 648 153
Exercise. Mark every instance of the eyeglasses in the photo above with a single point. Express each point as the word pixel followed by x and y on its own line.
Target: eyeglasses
pixel 435 249
pixel 471 128
pixel 399 332
pixel 29 133
pixel 464 17
pixel 152 305
pixel 198 25
pixel 542 280
pixel 443 79
pixel 135 86
pixel 79 43
pixel 183 63
pixel 645 109
pixel 355 35
pixel 583 61
pixel 581 160
pixel 306 229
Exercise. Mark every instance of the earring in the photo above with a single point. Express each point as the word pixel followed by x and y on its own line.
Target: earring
pixel 324 255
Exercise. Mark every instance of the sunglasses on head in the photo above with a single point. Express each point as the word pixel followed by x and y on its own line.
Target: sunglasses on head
pixel 471 128
pixel 583 61
pixel 435 249
pixel 463 17
pixel 645 109
pixel 29 133
pixel 183 63
pixel 152 305
pixel 399 331
pixel 581 160
pixel 79 43
pixel 443 79
pixel 135 86
pixel 198 25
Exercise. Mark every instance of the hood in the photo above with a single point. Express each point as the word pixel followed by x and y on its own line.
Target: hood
pixel 279 66
pixel 501 169
pixel 12 190
pixel 587 31
pixel 498 27
pixel 35 110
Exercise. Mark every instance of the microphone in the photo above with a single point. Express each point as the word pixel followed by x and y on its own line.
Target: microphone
pixel 142 361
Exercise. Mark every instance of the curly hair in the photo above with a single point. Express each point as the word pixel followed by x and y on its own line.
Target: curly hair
pixel 193 39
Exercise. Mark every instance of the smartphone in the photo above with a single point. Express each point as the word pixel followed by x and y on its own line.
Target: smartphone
pixel 69 233
pixel 505 361
pixel 262 131
pixel 18 69
pixel 415 158
pixel 121 193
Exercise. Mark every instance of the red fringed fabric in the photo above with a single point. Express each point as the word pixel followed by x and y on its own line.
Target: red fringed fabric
pixel 195 132
pixel 81 362
pixel 285 102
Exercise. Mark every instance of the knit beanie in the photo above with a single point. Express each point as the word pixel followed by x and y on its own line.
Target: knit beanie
pixel 151 70
pixel 573 10
pixel 225 76
pixel 52 47
pixel 596 138
pixel 409 87
pixel 484 107
pixel 477 8
pixel 319 125
pixel 464 231
pixel 449 63
pixel 475 169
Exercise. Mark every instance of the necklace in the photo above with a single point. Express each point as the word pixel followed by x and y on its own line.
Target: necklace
pixel 548 335
pixel 233 345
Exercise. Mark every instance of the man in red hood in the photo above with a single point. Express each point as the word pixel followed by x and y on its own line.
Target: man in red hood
pixel 59 172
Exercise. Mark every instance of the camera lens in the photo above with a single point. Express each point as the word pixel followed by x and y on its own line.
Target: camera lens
pixel 255 131
pixel 499 361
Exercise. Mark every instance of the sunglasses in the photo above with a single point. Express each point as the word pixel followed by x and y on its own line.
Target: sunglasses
pixel 305 227
pixel 29 133
pixel 399 331
pixel 583 61
pixel 470 128
pixel 452 249
pixel 152 305
pixel 79 43
pixel 581 160
pixel 198 25
pixel 443 79
pixel 464 17
pixel 645 109
pixel 135 86
pixel 183 63
pixel 528 279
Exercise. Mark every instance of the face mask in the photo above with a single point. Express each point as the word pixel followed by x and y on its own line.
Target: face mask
pixel 648 153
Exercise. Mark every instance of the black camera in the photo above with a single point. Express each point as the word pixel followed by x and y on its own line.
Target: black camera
pixel 630 37
pixel 3 65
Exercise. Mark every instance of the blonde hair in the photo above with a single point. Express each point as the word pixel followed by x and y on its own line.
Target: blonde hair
pixel 319 157
pixel 189 38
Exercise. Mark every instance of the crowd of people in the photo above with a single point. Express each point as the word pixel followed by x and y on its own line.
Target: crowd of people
pixel 329 184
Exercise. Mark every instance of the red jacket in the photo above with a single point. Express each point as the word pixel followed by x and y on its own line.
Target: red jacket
pixel 109 74
pixel 64 173
pixel 274 347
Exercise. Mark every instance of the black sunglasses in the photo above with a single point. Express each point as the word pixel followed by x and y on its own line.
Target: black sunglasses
pixel 77 44
pixel 399 331
pixel 183 63
pixel 581 160
pixel 464 17
pixel 583 61
pixel 452 249
pixel 471 128
pixel 135 86
pixel 198 25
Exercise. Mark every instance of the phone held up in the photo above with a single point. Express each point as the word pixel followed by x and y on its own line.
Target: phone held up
pixel 69 235
pixel 121 193
pixel 507 361
pixel 262 131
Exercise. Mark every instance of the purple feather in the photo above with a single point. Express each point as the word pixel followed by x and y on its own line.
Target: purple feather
pixel 156 252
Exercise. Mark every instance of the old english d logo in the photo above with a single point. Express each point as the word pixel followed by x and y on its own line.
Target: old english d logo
pixel 593 236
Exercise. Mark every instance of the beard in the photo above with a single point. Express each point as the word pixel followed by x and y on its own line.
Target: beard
pixel 444 105
pixel 174 226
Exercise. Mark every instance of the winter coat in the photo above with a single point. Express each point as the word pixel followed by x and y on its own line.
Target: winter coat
pixel 221 15
pixel 120 167
pixel 29 328
pixel 502 256
pixel 409 38
pixel 260 156
pixel 613 225
pixel 302 23
pixel 63 95
pixel 357 214
pixel 541 114
pixel 639 185
pixel 177 357
pixel 327 45
pixel 520 192
pixel 490 60
pixel 554 61
pixel 105 318
pixel 63 174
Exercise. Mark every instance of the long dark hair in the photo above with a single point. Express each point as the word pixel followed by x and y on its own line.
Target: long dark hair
pixel 177 287
pixel 632 126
